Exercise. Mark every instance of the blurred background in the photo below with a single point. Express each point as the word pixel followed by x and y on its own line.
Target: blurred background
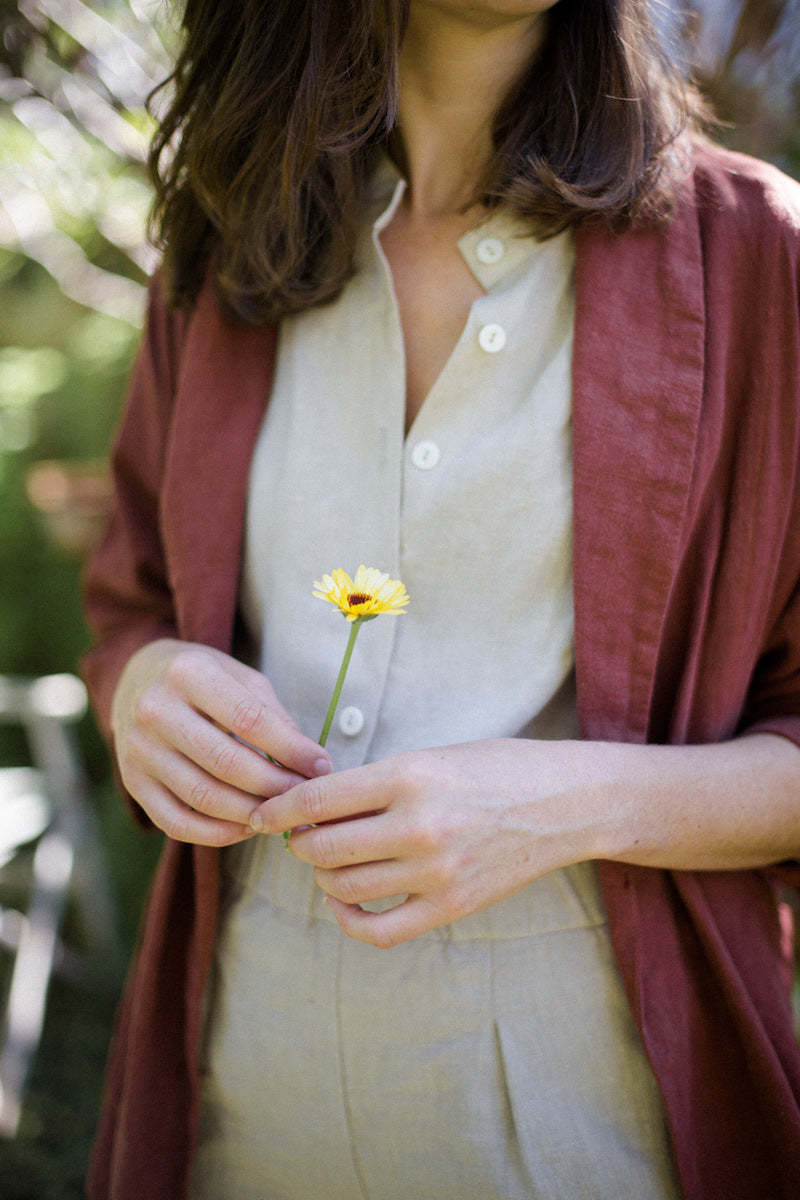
pixel 74 260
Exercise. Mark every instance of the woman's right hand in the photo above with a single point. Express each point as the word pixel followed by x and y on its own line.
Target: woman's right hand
pixel 181 715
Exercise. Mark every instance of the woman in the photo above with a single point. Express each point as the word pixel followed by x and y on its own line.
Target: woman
pixel 516 365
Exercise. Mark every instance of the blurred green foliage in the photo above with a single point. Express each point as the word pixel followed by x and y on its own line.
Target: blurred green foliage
pixel 74 198
pixel 74 260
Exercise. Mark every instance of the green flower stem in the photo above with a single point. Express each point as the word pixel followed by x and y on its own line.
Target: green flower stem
pixel 337 691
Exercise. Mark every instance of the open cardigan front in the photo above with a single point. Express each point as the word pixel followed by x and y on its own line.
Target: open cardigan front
pixel 686 478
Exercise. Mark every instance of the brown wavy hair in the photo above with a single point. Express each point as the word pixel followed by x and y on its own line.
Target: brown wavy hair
pixel 260 159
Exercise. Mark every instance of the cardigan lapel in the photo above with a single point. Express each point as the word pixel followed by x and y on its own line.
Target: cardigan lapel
pixel 223 387
pixel 637 390
pixel 638 372
pixel 222 393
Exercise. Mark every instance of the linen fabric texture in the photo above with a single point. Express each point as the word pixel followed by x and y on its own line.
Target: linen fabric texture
pixel 491 1059
pixel 686 531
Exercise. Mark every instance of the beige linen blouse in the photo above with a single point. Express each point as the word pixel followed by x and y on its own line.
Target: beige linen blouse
pixel 495 1058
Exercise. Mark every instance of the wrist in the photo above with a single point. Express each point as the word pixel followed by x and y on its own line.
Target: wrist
pixel 723 806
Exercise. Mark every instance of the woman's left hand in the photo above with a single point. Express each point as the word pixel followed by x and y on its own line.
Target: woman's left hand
pixel 461 827
pixel 456 829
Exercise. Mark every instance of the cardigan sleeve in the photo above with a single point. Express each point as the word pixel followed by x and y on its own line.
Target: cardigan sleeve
pixel 127 595
pixel 770 349
pixel 774 700
pixel 772 463
pixel 731 652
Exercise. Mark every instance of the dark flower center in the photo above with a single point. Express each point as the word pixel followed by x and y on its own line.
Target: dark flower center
pixel 358 598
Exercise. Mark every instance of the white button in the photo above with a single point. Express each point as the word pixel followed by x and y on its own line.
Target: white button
pixel 492 338
pixel 489 250
pixel 351 721
pixel 426 455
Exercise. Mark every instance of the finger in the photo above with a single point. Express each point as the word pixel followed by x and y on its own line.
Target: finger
pixel 227 759
pixel 406 921
pixel 181 823
pixel 252 714
pixel 344 843
pixel 199 791
pixel 317 801
pixel 361 884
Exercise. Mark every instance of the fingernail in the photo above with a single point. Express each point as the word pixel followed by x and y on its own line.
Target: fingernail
pixel 322 766
pixel 256 823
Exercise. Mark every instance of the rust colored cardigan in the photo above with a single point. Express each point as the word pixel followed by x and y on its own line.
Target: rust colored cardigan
pixel 686 430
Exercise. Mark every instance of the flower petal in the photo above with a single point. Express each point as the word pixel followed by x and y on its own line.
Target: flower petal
pixel 371 593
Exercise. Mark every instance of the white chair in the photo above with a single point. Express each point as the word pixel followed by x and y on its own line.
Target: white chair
pixel 48 850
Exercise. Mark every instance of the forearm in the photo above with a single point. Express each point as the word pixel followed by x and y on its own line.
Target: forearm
pixel 729 806
pixel 461 827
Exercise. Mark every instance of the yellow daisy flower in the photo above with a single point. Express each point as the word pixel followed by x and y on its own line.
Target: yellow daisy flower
pixel 371 593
